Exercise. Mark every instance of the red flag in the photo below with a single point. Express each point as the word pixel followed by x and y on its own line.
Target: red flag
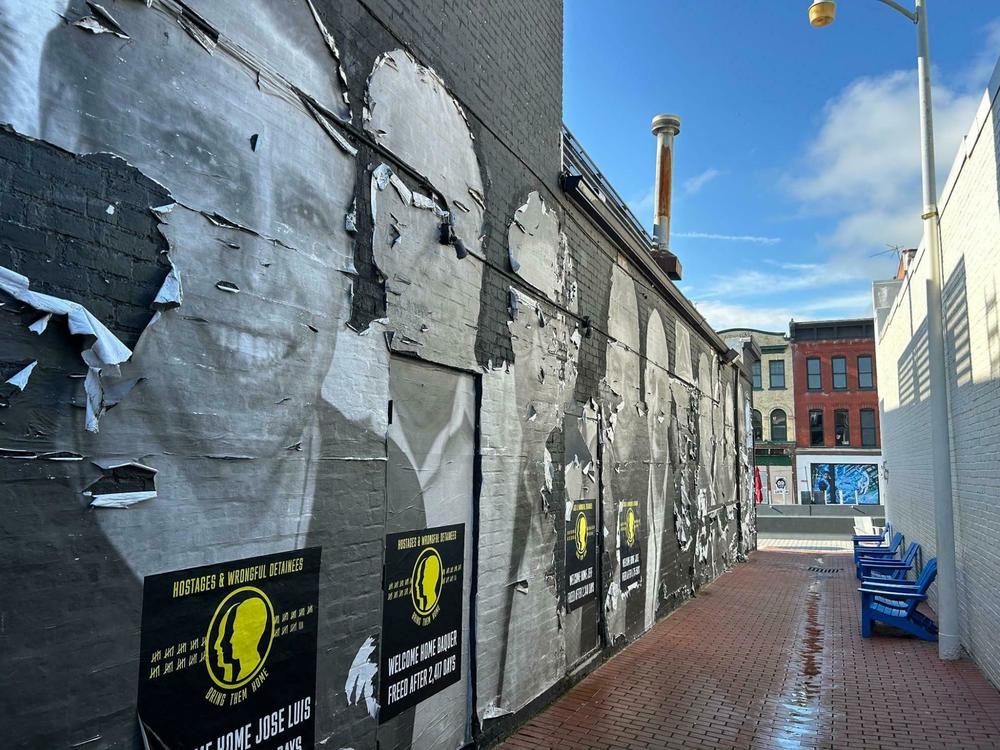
pixel 758 487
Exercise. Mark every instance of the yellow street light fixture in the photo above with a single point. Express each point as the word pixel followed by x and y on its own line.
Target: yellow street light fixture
pixel 822 13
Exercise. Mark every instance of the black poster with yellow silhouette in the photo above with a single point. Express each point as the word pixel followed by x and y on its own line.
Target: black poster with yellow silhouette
pixel 228 654
pixel 581 554
pixel 421 616
pixel 630 530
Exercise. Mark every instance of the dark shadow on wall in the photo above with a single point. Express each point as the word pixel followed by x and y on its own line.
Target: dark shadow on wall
pixel 956 326
pixel 912 370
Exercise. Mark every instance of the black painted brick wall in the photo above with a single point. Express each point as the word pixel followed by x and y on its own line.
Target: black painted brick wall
pixel 56 230
pixel 502 60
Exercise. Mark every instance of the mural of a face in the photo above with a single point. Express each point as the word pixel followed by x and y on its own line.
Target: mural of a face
pixel 230 407
pixel 659 402
pixel 256 341
pixel 623 358
pixel 432 294
pixel 432 311
pixel 236 371
pixel 626 466
pixel 538 391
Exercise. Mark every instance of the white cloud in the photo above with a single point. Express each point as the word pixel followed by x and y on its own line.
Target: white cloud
pixel 770 317
pixel 721 315
pixel 696 183
pixel 863 165
pixel 862 171
pixel 979 72
pixel 642 206
pixel 729 237
pixel 798 277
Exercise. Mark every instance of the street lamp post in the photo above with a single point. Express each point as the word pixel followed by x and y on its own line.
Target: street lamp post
pixel 821 13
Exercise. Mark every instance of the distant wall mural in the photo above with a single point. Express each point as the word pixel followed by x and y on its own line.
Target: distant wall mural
pixel 843 484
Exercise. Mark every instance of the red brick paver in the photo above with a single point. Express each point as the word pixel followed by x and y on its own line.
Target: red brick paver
pixel 770 656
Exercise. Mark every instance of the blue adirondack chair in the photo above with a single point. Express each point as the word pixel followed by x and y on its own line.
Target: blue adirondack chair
pixel 889 570
pixel 877 553
pixel 896 604
pixel 872 538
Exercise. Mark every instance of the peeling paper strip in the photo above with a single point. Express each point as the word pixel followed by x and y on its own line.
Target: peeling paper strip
pixel 61 456
pixel 107 349
pixel 41 324
pixel 351 218
pixel 20 379
pixel 101 12
pixel 361 678
pixel 107 464
pixel 492 711
pixel 198 29
pixel 405 194
pixel 323 120
pixel 171 292
pixel 331 44
pixel 120 499
pixel 101 22
pixel 18 453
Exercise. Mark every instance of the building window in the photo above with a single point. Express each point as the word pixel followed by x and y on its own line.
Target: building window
pixel 756 375
pixel 814 380
pixel 841 427
pixel 866 377
pixel 816 427
pixel 758 426
pixel 868 436
pixel 776 374
pixel 779 426
pixel 839 367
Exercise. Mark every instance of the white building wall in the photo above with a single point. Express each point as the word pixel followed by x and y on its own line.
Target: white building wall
pixel 970 235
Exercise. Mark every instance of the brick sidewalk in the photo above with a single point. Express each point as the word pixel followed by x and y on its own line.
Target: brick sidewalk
pixel 770 656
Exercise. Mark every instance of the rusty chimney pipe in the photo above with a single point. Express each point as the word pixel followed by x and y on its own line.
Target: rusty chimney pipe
pixel 665 127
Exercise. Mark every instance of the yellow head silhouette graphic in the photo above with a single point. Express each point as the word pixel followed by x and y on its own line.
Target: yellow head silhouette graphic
pixel 630 527
pixel 239 637
pixel 425 582
pixel 581 536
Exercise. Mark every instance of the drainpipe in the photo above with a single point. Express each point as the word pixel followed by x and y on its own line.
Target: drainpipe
pixel 664 127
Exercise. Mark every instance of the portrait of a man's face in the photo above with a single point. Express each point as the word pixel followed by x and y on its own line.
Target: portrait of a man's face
pixel 256 235
pixel 232 157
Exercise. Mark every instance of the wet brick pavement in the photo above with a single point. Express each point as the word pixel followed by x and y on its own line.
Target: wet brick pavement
pixel 770 656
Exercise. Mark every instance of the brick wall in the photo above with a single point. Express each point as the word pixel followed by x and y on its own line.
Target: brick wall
pixel 263 407
pixel 828 399
pixel 89 217
pixel 970 235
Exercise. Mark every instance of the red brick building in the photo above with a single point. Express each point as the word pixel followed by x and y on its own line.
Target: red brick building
pixel 838 447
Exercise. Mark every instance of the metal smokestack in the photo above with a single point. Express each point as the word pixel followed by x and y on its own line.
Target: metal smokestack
pixel 665 127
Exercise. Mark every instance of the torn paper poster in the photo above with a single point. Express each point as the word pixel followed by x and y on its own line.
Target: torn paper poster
pixel 101 22
pixel 106 351
pixel 171 292
pixel 20 379
pixel 119 499
pixel 41 324
pixel 361 678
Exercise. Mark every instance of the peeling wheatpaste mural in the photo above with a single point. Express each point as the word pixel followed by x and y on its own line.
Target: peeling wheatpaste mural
pixel 536 388
pixel 625 469
pixel 273 288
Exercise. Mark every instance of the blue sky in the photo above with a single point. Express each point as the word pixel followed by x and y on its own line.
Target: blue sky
pixel 797 165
